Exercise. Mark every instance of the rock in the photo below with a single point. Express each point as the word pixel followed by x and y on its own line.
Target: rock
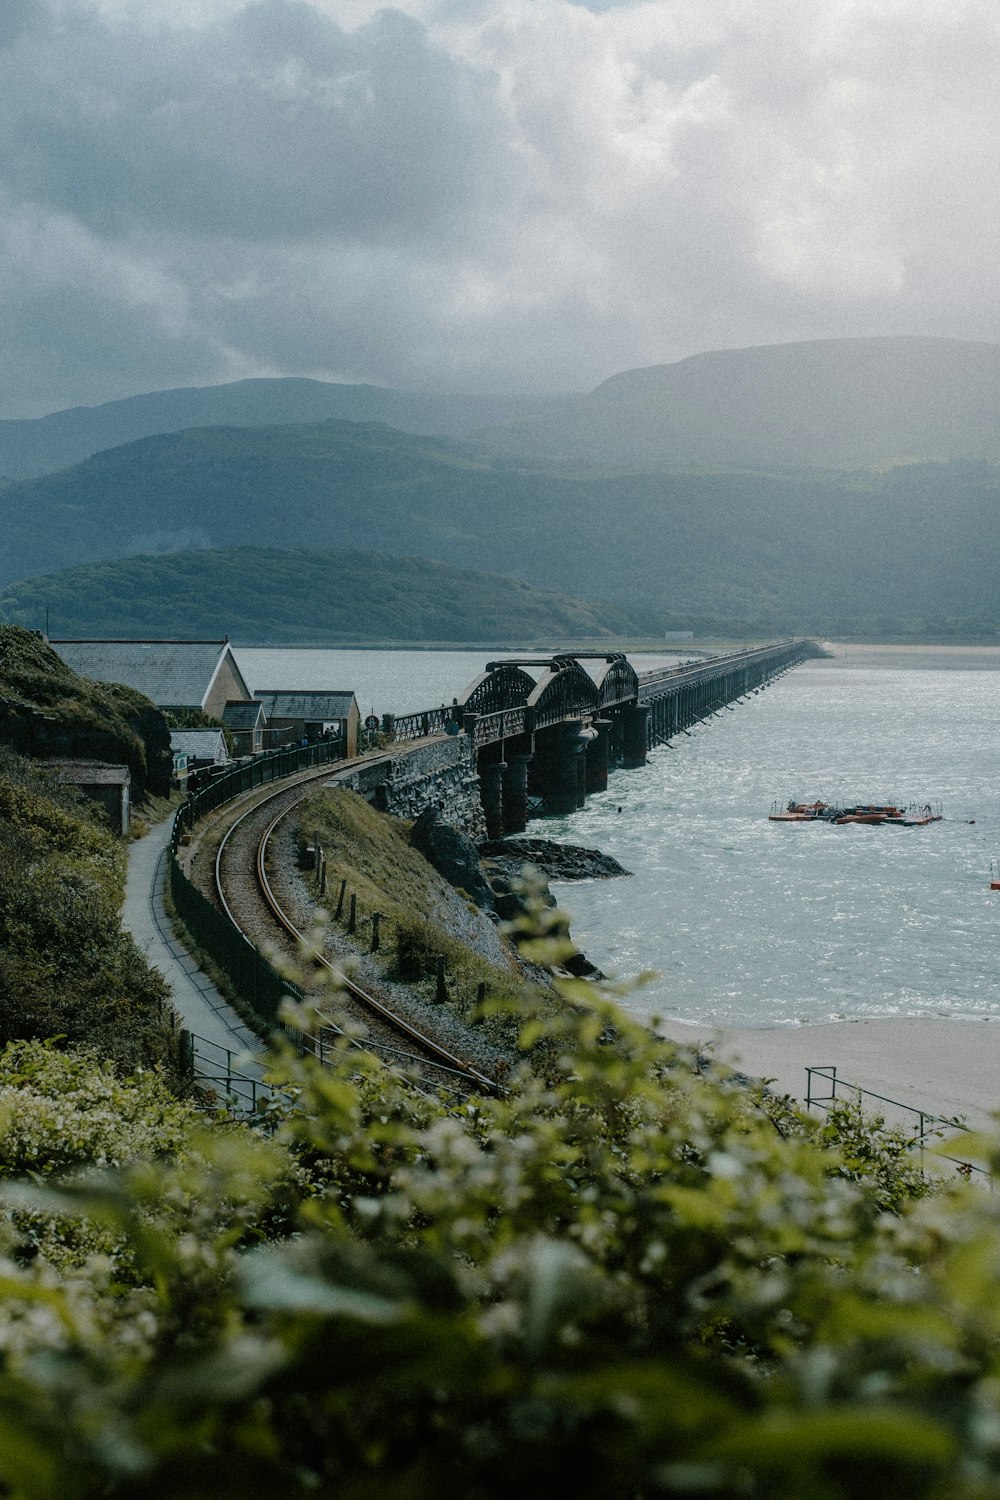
pixel 581 968
pixel 557 861
pixel 453 855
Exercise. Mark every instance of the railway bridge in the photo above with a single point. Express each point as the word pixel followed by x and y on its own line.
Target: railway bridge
pixel 546 731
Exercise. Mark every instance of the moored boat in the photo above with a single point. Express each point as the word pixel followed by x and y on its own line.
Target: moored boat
pixel 800 812
pixel 871 813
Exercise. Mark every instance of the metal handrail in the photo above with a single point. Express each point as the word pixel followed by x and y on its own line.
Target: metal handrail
pixel 928 1124
pixel 208 1062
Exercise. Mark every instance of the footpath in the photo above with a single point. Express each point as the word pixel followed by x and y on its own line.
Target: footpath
pixel 200 1006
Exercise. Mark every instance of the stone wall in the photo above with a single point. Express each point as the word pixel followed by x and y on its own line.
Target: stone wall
pixel 409 779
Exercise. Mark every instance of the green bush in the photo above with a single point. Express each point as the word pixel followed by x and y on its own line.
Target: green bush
pixel 618 1280
pixel 66 966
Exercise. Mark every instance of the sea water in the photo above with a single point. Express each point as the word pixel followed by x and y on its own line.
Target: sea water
pixel 750 923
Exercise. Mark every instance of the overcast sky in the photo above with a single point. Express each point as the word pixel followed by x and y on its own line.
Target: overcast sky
pixel 482 194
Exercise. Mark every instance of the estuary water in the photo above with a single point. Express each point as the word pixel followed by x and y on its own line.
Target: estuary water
pixel 755 924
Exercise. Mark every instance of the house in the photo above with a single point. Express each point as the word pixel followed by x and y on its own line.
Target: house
pixel 108 785
pixel 314 715
pixel 245 723
pixel 176 675
pixel 195 749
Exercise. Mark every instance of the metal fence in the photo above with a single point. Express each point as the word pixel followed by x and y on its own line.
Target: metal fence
pixel 824 1088
pixel 224 1076
pixel 248 774
pixel 257 982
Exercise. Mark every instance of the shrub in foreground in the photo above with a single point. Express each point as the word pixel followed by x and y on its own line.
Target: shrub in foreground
pixel 67 968
pixel 621 1279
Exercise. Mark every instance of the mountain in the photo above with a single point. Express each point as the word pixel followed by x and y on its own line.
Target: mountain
pixel 43 444
pixel 914 550
pixel 870 403
pixel 263 595
pixel 833 404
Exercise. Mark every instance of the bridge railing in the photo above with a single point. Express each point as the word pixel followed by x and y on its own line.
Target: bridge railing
pixel 505 723
pixel 489 728
pixel 718 666
pixel 416 726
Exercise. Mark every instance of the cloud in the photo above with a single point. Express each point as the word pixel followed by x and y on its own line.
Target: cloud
pixel 519 193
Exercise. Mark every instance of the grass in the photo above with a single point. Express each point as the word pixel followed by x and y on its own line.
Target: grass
pixel 372 852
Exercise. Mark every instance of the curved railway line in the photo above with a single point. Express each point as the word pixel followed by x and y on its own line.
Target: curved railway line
pixel 245 890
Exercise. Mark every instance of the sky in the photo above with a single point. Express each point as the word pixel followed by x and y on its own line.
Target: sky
pixel 485 195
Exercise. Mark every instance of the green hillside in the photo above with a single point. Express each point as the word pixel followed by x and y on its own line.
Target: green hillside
pixel 913 550
pixel 262 594
pixel 46 710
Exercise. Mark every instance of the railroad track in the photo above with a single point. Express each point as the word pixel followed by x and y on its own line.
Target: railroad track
pixel 246 893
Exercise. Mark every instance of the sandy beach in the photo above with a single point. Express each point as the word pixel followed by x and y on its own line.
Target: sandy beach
pixel 949 1068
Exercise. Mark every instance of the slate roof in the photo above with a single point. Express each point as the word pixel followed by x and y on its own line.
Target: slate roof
pixel 199 744
pixel 175 674
pixel 237 715
pixel 296 703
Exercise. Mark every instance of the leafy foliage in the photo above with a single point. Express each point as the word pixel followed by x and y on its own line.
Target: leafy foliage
pixel 66 966
pixel 619 1280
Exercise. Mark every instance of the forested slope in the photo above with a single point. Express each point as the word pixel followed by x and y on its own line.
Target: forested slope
pixel 263 594
pixel 916 548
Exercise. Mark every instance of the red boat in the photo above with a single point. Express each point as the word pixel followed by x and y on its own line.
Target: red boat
pixel 801 812
pixel 871 813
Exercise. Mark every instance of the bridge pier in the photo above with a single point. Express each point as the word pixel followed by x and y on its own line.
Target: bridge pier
pixel 491 792
pixel 597 757
pixel 616 746
pixel 559 770
pixel 636 729
pixel 515 791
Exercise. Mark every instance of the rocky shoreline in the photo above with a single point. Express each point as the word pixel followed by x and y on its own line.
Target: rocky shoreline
pixel 490 874
pixel 557 861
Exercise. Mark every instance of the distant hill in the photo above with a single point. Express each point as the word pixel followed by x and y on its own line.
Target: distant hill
pixel 832 404
pixel 869 403
pixel 41 445
pixel 912 549
pixel 262 595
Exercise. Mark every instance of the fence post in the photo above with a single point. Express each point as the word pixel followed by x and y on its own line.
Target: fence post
pixel 376 919
pixel 441 992
pixel 340 899
pixel 352 920
pixel 185 1055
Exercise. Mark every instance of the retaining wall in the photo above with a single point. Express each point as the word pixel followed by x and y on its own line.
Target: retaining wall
pixel 408 779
